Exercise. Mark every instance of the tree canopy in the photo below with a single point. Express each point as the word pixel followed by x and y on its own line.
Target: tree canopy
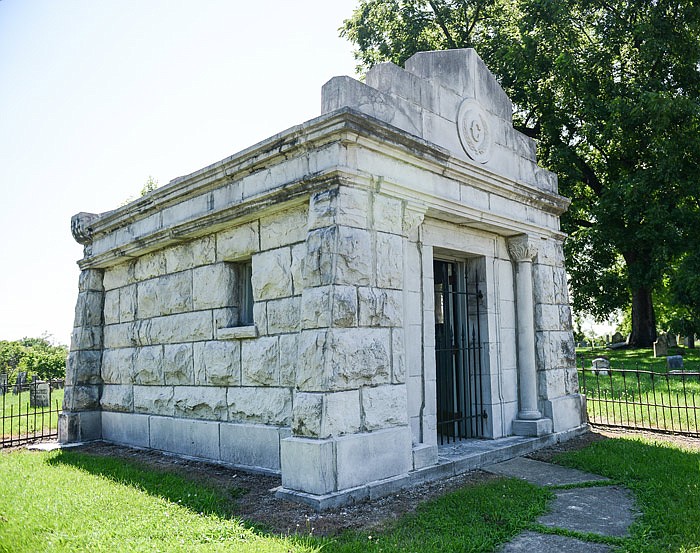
pixel 35 356
pixel 610 90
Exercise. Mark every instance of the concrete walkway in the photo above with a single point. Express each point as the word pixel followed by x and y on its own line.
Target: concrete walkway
pixel 606 510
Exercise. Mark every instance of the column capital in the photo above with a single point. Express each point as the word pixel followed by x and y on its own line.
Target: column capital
pixel 522 248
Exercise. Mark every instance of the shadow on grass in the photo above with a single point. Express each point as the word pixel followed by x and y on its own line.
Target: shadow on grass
pixel 170 486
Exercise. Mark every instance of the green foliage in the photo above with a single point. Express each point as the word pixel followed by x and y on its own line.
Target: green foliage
pixel 36 356
pixel 664 480
pixel 610 90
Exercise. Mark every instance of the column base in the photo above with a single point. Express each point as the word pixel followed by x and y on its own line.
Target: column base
pixel 81 426
pixel 536 427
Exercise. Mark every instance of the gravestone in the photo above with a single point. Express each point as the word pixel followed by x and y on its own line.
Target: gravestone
pixel 617 337
pixel 661 347
pixel 600 366
pixel 689 341
pixel 21 381
pixel 674 362
pixel 3 383
pixel 671 340
pixel 39 394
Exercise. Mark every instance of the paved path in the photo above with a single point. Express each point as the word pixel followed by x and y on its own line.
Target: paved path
pixel 606 510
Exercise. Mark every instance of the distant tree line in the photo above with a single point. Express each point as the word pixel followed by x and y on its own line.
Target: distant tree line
pixel 35 356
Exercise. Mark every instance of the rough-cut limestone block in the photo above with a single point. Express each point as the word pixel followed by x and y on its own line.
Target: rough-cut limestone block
pixel 307 414
pixel 565 318
pixel 323 206
pixel 118 275
pixel 172 329
pixel 318 263
pixel 217 363
pixel 398 357
pixel 117 397
pixel 289 357
pixel 561 286
pixel 191 254
pixel 90 280
pixel 178 365
pixel 551 383
pixel 298 256
pixel 149 266
pixel 200 402
pixel 127 303
pixel 118 366
pixel 380 307
pixel 341 413
pixel 154 400
pixel 238 243
pixel 547 317
pixel 543 284
pixel 225 317
pixel 83 367
pixel 354 257
pixel 272 274
pixel 86 337
pixel 260 317
pixel 81 398
pixel 353 207
pixel 389 261
pixel 165 295
pixel 252 445
pixel 283 228
pixel 329 306
pixel 196 438
pixel 384 406
pixel 88 309
pixel 342 359
pixel 214 286
pixel 261 405
pixel 148 365
pixel 120 336
pixel 571 380
pixel 259 362
pixel 283 315
pixel 387 214
pixel 111 307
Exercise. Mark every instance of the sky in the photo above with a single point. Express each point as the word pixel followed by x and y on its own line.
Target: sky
pixel 98 96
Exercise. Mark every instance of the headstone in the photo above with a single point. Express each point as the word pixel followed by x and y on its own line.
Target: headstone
pixel 39 394
pixel 21 381
pixel 674 362
pixel 689 341
pixel 660 347
pixel 671 340
pixel 601 365
pixel 617 337
pixel 3 383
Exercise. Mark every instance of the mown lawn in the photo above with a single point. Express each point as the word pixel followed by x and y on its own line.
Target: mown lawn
pixel 665 480
pixel 72 501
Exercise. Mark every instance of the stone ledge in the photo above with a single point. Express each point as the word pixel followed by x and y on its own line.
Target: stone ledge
pixel 237 332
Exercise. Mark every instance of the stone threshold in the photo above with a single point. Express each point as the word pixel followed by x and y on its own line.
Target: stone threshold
pixel 453 459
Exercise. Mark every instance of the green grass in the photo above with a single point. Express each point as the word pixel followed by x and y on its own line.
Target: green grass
pixel 666 483
pixel 67 501
pixel 475 518
pixel 72 501
pixel 12 405
pixel 640 358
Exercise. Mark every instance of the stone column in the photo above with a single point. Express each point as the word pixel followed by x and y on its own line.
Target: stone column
pixel 530 422
pixel 81 417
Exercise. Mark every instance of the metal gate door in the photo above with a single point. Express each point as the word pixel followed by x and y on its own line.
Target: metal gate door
pixel 460 402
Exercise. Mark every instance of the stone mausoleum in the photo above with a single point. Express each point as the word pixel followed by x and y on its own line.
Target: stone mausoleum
pixel 349 303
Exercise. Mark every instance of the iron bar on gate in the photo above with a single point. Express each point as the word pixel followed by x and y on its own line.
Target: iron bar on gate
pixel 642 399
pixel 25 415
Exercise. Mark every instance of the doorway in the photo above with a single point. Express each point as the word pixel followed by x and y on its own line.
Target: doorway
pixel 460 401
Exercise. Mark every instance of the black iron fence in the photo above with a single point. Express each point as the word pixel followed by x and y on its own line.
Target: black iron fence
pixel 29 411
pixel 642 399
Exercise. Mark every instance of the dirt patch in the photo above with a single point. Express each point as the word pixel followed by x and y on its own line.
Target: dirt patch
pixel 259 505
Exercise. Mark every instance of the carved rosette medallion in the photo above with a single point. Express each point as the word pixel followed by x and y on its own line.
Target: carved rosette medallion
pixel 475 132
pixel 522 248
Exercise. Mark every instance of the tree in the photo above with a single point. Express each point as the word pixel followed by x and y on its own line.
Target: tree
pixel 610 90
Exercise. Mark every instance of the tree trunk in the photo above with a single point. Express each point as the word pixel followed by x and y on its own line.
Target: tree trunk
pixel 643 319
